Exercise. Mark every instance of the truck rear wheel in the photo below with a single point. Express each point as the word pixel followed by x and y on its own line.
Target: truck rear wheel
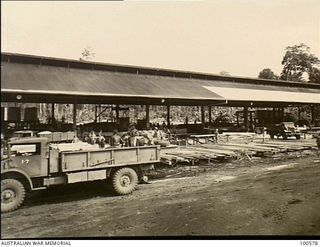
pixel 12 195
pixel 124 181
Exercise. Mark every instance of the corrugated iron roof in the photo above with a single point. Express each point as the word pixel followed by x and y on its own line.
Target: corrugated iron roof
pixel 263 94
pixel 54 80
pixel 57 80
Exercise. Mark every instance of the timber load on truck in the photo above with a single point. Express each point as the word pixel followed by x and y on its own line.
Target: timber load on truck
pixel 32 163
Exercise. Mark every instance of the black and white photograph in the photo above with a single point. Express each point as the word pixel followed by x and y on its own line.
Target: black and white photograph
pixel 182 119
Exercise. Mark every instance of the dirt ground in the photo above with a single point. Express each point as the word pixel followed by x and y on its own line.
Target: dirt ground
pixel 270 196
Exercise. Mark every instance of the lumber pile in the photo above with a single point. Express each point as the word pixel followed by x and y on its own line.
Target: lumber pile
pixel 195 154
pixel 207 152
pixel 236 137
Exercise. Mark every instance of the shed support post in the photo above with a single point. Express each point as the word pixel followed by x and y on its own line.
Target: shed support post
pixel 5 114
pixel 299 113
pixel 74 115
pixel 99 117
pixel 52 113
pixel 117 114
pixel 245 116
pixel 168 115
pixel 251 122
pixel 210 115
pixel 147 116
pixel 237 115
pixel 282 114
pixel 203 119
pixel 95 113
pixel 273 115
pixel 312 114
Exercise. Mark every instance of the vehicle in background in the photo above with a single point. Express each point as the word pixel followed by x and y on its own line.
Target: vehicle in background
pixel 22 133
pixel 57 137
pixel 284 129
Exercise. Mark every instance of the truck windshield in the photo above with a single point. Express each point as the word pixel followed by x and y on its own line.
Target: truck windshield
pixel 24 149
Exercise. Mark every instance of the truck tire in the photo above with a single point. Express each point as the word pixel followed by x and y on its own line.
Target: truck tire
pixel 124 181
pixel 12 195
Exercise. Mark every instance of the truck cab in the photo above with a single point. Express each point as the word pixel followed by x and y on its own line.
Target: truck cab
pixel 28 155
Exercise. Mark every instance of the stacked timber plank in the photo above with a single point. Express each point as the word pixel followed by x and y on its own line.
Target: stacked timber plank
pixel 231 150
pixel 194 154
pixel 236 137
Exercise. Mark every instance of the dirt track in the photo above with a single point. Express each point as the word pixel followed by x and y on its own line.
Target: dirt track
pixel 260 197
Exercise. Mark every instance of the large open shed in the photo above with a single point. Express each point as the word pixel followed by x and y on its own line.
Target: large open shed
pixel 37 79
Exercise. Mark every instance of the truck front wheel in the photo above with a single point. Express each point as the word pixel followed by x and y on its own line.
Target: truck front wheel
pixel 124 181
pixel 12 195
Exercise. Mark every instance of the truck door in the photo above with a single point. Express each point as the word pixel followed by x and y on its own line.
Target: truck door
pixel 30 157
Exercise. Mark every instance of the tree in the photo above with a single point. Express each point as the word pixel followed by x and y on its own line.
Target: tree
pixel 314 75
pixel 224 73
pixel 297 62
pixel 267 74
pixel 87 54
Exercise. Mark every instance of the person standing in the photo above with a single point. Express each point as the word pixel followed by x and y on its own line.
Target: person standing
pixel 133 132
pixel 101 140
pixel 116 140
pixel 92 137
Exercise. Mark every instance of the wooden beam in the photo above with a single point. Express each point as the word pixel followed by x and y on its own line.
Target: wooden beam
pixel 74 115
pixel 117 114
pixel 100 112
pixel 237 115
pixel 245 116
pixel 312 114
pixel 210 114
pixel 52 112
pixel 95 113
pixel 203 119
pixel 168 116
pixel 147 116
pixel 273 115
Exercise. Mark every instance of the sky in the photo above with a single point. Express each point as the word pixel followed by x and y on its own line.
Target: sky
pixel 241 37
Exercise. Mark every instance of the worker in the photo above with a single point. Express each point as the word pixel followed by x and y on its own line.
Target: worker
pixel 141 139
pixel 116 140
pixel 125 140
pixel 92 137
pixel 133 132
pixel 149 137
pixel 157 133
pixel 75 139
pixel 101 140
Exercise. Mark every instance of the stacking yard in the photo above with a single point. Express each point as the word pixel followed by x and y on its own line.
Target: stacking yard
pixel 236 147
pixel 264 196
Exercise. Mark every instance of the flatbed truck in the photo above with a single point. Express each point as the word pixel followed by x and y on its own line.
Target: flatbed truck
pixel 32 163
